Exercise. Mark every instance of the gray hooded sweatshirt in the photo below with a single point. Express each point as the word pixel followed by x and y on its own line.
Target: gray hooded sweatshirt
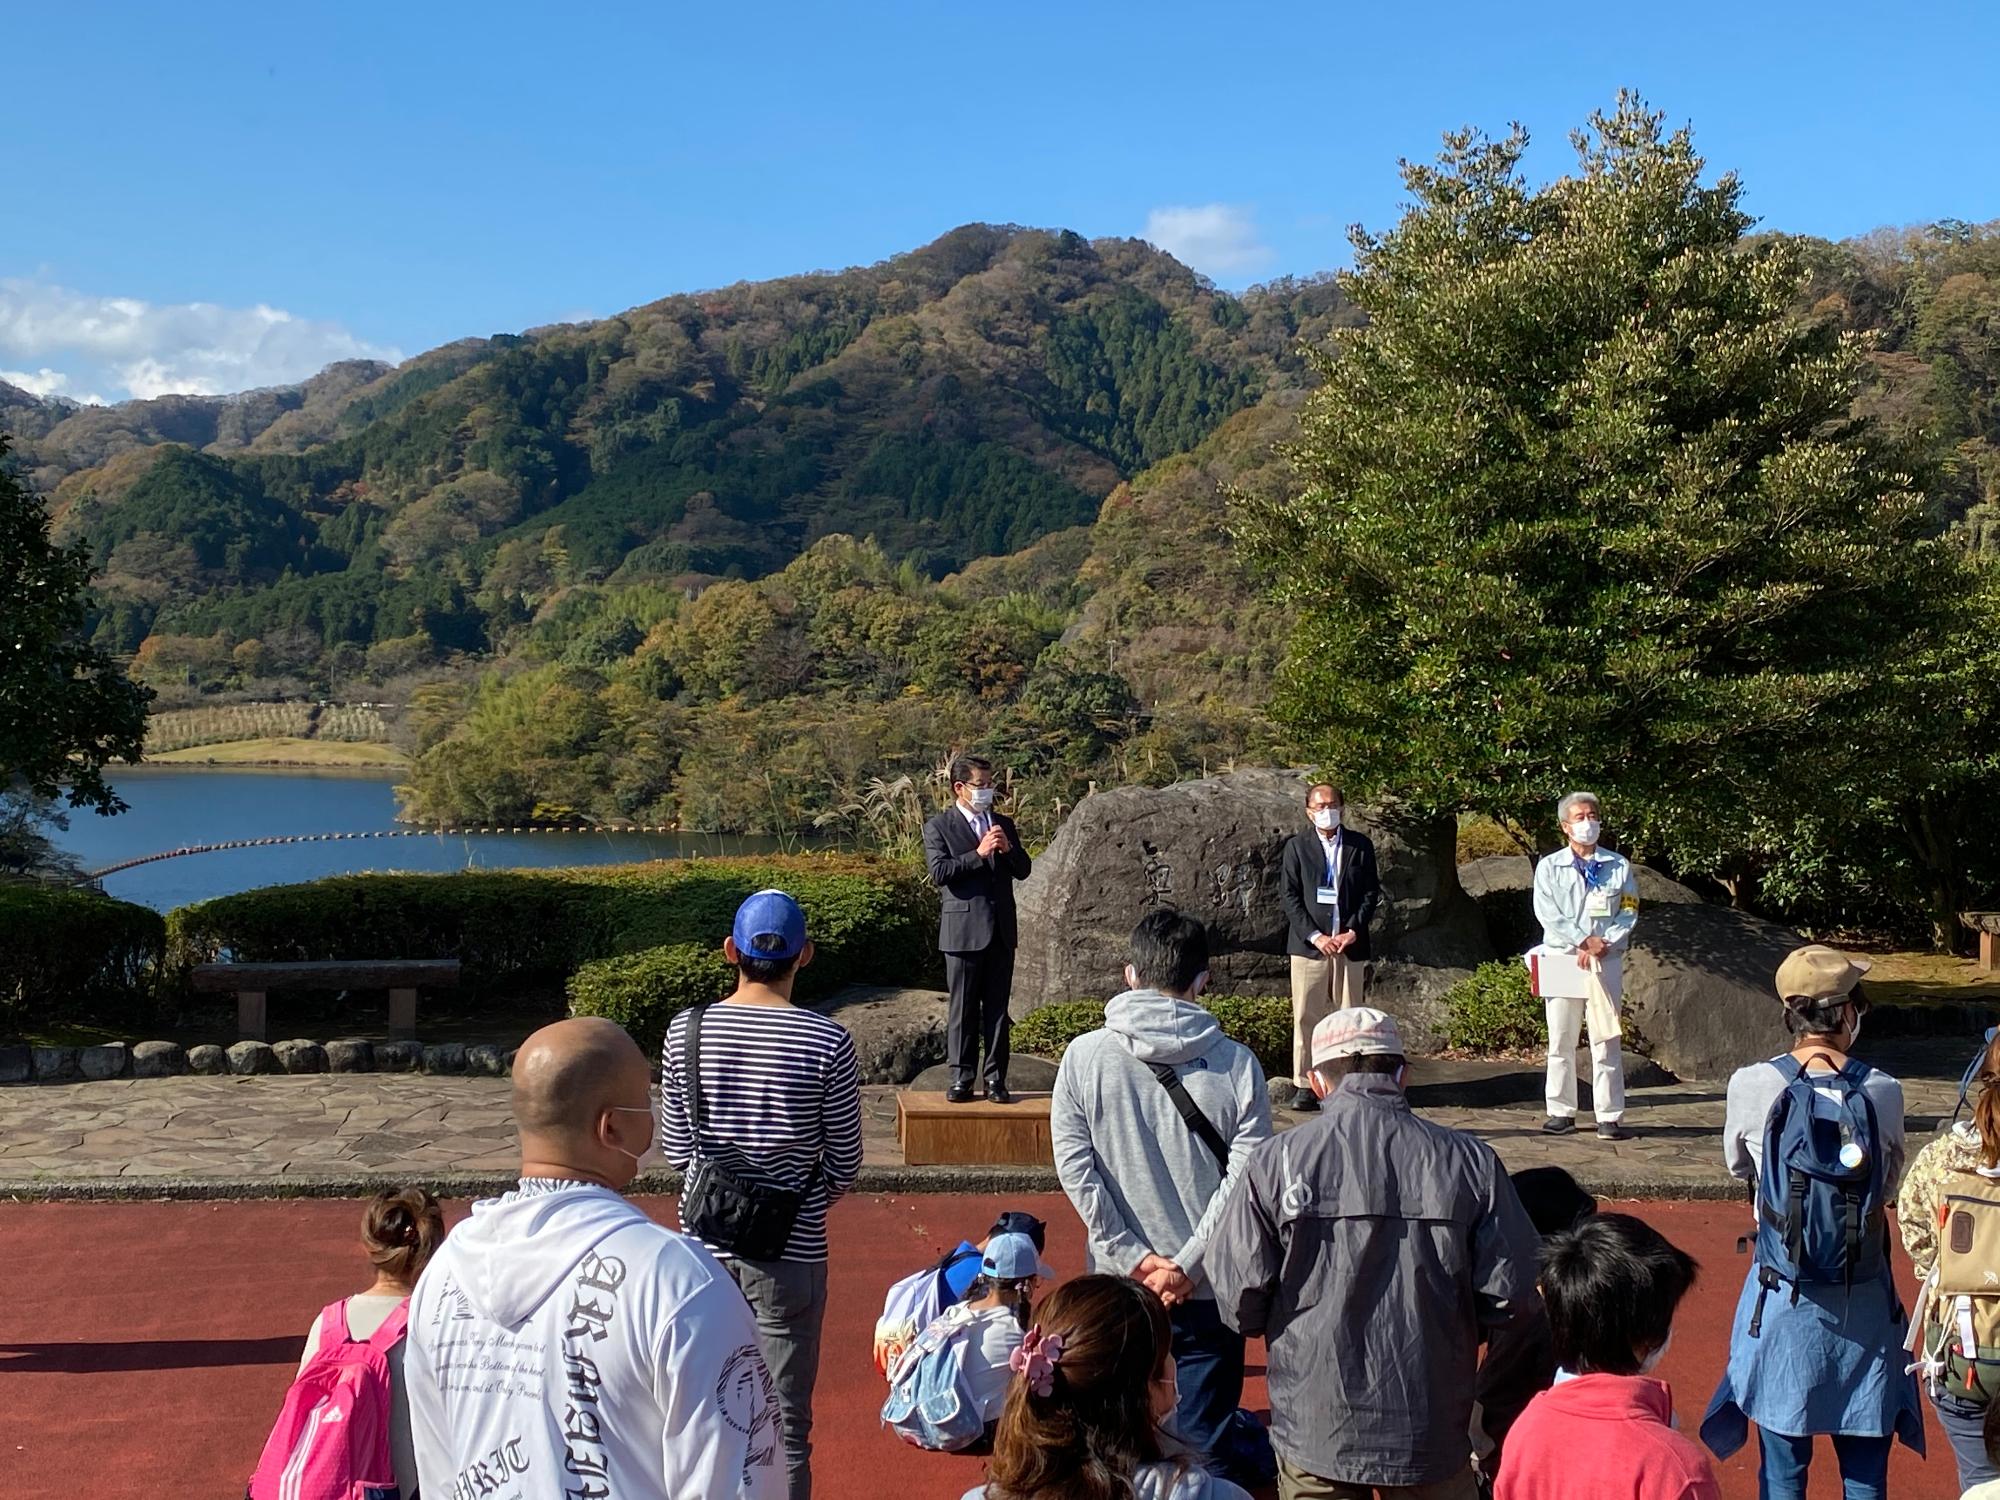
pixel 1139 1178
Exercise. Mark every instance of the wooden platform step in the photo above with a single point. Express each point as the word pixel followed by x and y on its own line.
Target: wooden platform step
pixel 936 1133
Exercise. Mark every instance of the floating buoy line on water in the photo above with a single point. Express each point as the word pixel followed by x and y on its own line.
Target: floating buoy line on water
pixel 443 831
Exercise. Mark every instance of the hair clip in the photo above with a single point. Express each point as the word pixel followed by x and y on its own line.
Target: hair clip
pixel 1036 1359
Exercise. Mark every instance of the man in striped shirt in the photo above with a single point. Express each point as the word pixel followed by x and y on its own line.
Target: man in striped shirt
pixel 780 1107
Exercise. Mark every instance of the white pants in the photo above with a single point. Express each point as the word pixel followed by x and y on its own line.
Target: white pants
pixel 1607 1064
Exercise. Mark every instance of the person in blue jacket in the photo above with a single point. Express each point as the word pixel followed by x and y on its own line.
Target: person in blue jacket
pixel 1811 1357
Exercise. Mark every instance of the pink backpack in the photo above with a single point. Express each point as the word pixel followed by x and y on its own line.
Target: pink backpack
pixel 332 1437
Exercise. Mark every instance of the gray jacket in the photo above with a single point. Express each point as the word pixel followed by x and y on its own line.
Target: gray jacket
pixel 1140 1180
pixel 1374 1251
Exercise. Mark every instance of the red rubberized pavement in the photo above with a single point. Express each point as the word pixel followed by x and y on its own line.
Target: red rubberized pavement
pixel 144 1347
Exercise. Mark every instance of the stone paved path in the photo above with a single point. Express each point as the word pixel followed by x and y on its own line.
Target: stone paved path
pixel 321 1134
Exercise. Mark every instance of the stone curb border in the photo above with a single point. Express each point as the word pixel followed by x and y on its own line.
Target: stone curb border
pixel 879 1180
pixel 169 1060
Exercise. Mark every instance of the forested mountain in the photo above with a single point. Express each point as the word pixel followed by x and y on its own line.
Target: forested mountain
pixel 736 558
pixel 956 402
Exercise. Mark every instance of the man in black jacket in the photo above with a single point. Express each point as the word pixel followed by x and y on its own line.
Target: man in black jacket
pixel 1331 892
pixel 974 856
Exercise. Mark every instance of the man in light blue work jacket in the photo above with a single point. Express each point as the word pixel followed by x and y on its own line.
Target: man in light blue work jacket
pixel 1587 900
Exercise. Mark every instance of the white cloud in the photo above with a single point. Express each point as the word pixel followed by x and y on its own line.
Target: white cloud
pixel 47 382
pixel 151 349
pixel 1216 239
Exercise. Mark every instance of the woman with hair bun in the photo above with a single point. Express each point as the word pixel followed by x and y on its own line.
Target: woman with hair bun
pixel 1093 1379
pixel 401 1231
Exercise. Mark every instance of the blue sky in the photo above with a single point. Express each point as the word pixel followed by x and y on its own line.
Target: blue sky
pixel 215 196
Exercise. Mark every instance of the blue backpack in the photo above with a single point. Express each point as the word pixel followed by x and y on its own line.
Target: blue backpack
pixel 930 1402
pixel 1820 1219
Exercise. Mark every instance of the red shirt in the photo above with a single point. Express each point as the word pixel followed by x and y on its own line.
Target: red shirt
pixel 1605 1436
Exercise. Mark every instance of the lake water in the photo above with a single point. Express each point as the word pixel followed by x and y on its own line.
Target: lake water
pixel 170 808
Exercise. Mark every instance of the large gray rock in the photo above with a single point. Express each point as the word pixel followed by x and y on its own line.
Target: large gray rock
pixel 444 1057
pixel 1698 995
pixel 253 1057
pixel 102 1062
pixel 1699 988
pixel 897 1033
pixel 301 1055
pixel 350 1054
pixel 208 1060
pixel 1025 1075
pixel 1503 885
pixel 54 1064
pixel 398 1057
pixel 484 1060
pixel 1213 848
pixel 158 1060
pixel 17 1064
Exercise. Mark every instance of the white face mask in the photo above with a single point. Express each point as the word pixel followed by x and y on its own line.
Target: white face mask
pixel 981 797
pixel 652 1131
pixel 1585 831
pixel 1326 819
pixel 1651 1361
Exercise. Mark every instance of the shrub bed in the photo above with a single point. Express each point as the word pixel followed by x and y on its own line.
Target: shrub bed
pixel 1494 1010
pixel 1263 1023
pixel 643 992
pixel 870 919
pixel 68 955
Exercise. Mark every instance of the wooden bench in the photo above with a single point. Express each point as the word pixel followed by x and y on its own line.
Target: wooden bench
pixel 1987 925
pixel 401 977
pixel 934 1132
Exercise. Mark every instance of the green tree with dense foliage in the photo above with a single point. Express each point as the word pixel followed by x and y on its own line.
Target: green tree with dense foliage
pixel 66 710
pixel 1583 504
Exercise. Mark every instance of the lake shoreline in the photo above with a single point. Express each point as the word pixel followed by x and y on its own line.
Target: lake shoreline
pixel 285 753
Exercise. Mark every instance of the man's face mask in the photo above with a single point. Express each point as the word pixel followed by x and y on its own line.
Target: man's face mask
pixel 981 797
pixel 652 1131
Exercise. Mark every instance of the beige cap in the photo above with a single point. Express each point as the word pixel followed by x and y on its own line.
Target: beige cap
pixel 1817 972
pixel 1357 1032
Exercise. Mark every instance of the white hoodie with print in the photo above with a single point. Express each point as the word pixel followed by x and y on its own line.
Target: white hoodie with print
pixel 564 1344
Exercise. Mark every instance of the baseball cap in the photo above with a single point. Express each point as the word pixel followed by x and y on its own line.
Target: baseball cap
pixel 1017 1221
pixel 1817 972
pixel 769 925
pixel 1359 1032
pixel 1010 1257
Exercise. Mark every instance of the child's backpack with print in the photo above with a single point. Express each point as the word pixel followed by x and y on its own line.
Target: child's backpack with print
pixel 915 1302
pixel 331 1441
pixel 930 1401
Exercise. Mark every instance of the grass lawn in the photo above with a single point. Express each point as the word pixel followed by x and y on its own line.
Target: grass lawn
pixel 284 751
pixel 1900 978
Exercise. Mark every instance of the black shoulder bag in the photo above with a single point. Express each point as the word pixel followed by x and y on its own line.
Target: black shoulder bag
pixel 1190 1112
pixel 748 1220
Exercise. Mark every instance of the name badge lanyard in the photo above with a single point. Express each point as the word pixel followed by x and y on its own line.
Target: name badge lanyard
pixel 1333 865
pixel 1592 881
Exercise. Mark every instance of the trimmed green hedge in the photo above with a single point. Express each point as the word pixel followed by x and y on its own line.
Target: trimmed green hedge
pixel 1263 1023
pixel 1494 1009
pixel 75 955
pixel 643 992
pixel 872 919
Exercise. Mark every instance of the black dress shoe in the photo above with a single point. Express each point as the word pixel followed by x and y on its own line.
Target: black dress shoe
pixel 1305 1100
pixel 1559 1125
pixel 958 1093
pixel 996 1093
pixel 1611 1130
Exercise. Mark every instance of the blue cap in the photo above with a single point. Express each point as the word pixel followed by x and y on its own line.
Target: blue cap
pixel 770 925
pixel 1012 1257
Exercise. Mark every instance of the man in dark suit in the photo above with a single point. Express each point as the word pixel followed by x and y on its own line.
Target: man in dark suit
pixel 974 856
pixel 1331 892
